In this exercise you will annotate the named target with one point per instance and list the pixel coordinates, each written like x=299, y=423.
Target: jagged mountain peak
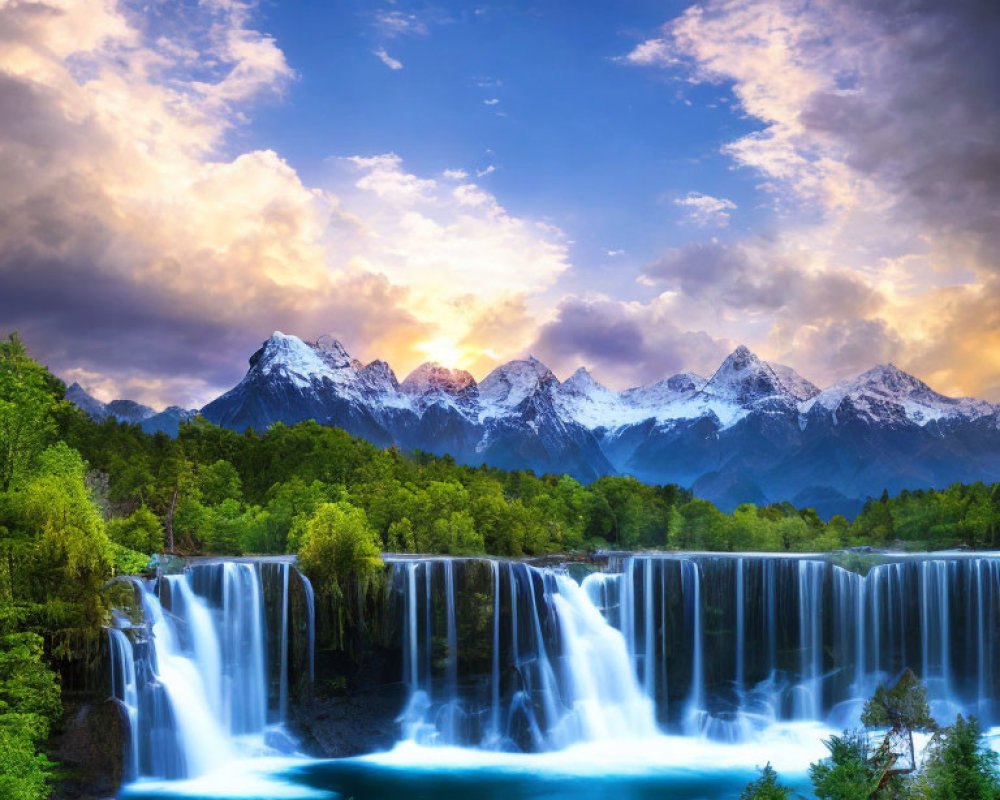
x=334, y=354
x=378, y=376
x=130, y=411
x=685, y=382
x=511, y=383
x=891, y=378
x=582, y=381
x=886, y=393
x=290, y=357
x=744, y=379
x=432, y=377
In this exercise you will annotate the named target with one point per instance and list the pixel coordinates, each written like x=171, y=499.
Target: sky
x=636, y=187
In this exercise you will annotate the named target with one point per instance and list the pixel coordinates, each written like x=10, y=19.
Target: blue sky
x=635, y=187
x=576, y=135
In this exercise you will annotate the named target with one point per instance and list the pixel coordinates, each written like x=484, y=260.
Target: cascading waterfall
x=193, y=678
x=558, y=673
x=799, y=637
x=504, y=655
x=125, y=690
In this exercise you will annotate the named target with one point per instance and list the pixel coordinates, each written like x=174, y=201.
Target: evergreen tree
x=960, y=766
x=766, y=787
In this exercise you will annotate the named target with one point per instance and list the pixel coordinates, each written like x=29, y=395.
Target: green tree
x=219, y=482
x=849, y=772
x=766, y=787
x=902, y=709
x=141, y=531
x=339, y=548
x=960, y=766
x=29, y=704
x=27, y=401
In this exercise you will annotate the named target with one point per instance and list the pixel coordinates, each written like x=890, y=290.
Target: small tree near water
x=766, y=787
x=902, y=709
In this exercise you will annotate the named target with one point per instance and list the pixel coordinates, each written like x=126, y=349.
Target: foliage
x=127, y=562
x=141, y=532
x=26, y=404
x=960, y=766
x=849, y=772
x=29, y=703
x=340, y=548
x=903, y=707
x=766, y=787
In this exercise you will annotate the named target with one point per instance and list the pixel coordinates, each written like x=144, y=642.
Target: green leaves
x=960, y=766
x=340, y=548
x=903, y=707
x=27, y=403
x=766, y=787
x=29, y=703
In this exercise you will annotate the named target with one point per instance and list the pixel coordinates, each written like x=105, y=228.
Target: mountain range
x=752, y=432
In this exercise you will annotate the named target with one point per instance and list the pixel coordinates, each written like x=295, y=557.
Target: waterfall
x=809, y=697
x=559, y=673
x=798, y=637
x=125, y=689
x=193, y=677
x=504, y=655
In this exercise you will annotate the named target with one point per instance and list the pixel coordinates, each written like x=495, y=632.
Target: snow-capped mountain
x=754, y=431
x=431, y=383
x=508, y=420
x=886, y=393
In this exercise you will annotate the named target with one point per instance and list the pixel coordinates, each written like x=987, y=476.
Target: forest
x=81, y=502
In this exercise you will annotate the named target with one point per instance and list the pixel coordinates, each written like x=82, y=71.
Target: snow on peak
x=510, y=384
x=582, y=382
x=744, y=379
x=886, y=392
x=685, y=382
x=432, y=378
x=333, y=353
x=379, y=377
x=289, y=357
x=800, y=388
x=583, y=400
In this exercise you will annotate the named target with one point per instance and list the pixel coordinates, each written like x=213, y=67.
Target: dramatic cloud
x=880, y=148
x=140, y=255
x=625, y=343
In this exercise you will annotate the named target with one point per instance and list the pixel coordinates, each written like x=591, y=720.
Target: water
x=193, y=679
x=667, y=675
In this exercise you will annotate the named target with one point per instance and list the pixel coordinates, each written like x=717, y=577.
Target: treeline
x=214, y=490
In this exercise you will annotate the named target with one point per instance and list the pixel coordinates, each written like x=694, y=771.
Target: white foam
x=789, y=747
x=246, y=779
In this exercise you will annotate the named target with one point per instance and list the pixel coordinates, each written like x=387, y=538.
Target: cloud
x=705, y=210
x=389, y=61
x=489, y=169
x=491, y=102
x=139, y=245
x=399, y=23
x=878, y=145
x=625, y=343
x=651, y=52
